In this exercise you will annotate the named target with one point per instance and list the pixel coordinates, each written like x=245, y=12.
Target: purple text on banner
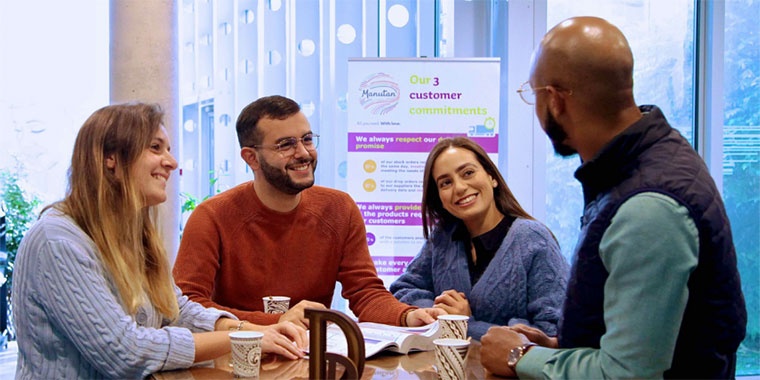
x=390, y=213
x=391, y=265
x=410, y=142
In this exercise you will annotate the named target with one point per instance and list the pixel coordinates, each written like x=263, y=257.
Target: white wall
x=53, y=75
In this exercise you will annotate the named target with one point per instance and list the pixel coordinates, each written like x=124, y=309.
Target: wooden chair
x=322, y=364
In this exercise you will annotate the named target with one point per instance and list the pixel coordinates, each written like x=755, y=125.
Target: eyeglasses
x=287, y=146
x=528, y=94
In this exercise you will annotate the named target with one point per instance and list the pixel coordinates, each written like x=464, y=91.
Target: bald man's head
x=589, y=56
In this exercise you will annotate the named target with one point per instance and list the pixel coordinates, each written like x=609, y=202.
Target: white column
x=145, y=67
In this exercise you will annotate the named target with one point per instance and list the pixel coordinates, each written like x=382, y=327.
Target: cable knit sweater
x=524, y=283
x=235, y=250
x=69, y=320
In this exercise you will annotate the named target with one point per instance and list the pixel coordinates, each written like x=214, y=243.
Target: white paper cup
x=246, y=353
x=276, y=304
x=450, y=357
x=453, y=326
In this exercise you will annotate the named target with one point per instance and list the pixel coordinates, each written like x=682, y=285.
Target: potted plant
x=190, y=202
x=20, y=211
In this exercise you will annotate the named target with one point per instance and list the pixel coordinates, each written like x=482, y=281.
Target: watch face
x=514, y=355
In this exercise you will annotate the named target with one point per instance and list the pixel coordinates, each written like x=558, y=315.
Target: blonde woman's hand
x=296, y=333
x=284, y=338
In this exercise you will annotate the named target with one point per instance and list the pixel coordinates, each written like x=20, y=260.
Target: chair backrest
x=322, y=364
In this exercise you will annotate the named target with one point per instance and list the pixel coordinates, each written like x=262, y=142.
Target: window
x=661, y=35
x=49, y=84
x=230, y=59
x=741, y=160
x=235, y=50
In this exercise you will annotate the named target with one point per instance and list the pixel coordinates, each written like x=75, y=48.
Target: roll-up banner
x=398, y=109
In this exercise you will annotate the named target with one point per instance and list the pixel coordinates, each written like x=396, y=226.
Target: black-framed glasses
x=287, y=146
x=528, y=93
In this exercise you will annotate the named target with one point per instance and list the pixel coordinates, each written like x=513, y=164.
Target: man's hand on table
x=495, y=347
x=421, y=317
x=296, y=313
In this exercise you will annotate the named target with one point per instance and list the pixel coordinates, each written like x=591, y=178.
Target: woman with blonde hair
x=93, y=295
x=484, y=256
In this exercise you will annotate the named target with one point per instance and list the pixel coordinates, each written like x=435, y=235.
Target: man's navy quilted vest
x=650, y=156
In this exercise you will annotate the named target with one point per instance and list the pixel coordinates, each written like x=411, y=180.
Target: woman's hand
x=284, y=338
x=453, y=302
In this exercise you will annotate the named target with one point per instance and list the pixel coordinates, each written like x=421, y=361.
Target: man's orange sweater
x=235, y=250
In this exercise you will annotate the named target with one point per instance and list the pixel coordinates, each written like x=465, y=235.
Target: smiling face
x=288, y=172
x=151, y=170
x=466, y=189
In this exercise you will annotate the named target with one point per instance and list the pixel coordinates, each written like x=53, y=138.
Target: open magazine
x=379, y=337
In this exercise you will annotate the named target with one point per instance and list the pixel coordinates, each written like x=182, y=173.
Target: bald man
x=654, y=289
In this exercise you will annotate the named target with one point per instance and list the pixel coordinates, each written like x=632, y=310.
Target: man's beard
x=281, y=180
x=557, y=135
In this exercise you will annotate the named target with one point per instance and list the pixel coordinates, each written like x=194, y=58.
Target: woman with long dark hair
x=484, y=256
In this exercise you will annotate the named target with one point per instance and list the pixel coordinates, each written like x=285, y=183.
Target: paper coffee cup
x=453, y=326
x=450, y=355
x=246, y=353
x=276, y=304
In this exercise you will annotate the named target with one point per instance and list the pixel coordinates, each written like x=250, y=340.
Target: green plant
x=191, y=201
x=21, y=211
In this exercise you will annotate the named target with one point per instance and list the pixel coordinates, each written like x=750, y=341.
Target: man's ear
x=556, y=102
x=249, y=156
x=111, y=162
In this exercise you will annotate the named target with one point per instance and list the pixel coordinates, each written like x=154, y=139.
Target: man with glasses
x=279, y=235
x=654, y=289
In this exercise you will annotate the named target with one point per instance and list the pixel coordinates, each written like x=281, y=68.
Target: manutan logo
x=379, y=94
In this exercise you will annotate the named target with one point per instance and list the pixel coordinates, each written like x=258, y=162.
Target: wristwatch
x=517, y=353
